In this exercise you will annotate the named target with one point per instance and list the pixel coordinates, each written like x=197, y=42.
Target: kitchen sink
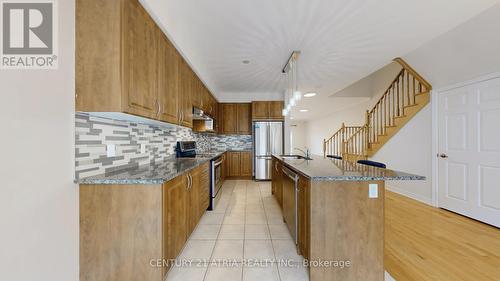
x=295, y=156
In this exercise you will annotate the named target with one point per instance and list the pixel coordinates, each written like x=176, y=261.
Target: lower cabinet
x=304, y=214
x=130, y=232
x=186, y=198
x=239, y=164
x=276, y=184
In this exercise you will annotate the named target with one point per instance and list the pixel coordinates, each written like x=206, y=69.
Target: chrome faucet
x=306, y=152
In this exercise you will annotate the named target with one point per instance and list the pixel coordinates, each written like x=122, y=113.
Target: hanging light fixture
x=292, y=93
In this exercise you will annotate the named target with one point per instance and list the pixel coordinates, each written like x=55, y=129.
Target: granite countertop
x=157, y=173
x=326, y=169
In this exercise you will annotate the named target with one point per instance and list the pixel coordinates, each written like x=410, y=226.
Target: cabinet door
x=229, y=118
x=98, y=44
x=260, y=110
x=243, y=118
x=206, y=106
x=204, y=189
x=140, y=62
x=278, y=193
x=168, y=72
x=304, y=239
x=234, y=164
x=274, y=176
x=175, y=216
x=197, y=97
x=276, y=110
x=194, y=199
x=246, y=164
x=224, y=166
x=185, y=83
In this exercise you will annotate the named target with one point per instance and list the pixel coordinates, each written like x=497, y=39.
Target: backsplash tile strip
x=93, y=134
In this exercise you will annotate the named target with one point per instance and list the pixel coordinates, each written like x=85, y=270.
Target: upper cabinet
x=267, y=110
x=124, y=63
x=140, y=95
x=168, y=80
x=235, y=118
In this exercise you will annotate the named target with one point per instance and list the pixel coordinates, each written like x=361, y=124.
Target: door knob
x=442, y=155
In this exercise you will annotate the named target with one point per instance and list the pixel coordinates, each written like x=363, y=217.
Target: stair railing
x=400, y=94
x=335, y=144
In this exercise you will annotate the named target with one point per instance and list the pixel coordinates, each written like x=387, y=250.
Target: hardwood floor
x=425, y=243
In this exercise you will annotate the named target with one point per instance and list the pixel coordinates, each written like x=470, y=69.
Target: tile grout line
x=216, y=240
x=270, y=237
x=244, y=230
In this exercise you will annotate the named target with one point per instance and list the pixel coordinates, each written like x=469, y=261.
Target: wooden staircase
x=407, y=94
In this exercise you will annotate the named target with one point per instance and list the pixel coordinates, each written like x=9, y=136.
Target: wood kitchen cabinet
x=168, y=80
x=175, y=210
x=233, y=159
x=185, y=94
x=276, y=184
x=139, y=71
x=244, y=119
x=246, y=164
x=229, y=118
x=304, y=217
x=267, y=110
x=145, y=222
x=239, y=164
x=126, y=64
x=236, y=118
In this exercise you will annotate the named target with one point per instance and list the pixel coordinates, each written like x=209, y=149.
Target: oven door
x=217, y=176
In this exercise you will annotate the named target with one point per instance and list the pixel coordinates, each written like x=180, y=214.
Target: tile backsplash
x=94, y=134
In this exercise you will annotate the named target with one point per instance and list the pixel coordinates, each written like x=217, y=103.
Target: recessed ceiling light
x=245, y=61
x=291, y=118
x=309, y=95
x=304, y=110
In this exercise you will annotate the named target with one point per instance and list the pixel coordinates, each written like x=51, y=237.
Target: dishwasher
x=290, y=201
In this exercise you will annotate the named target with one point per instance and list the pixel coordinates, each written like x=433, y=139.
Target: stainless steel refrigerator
x=268, y=140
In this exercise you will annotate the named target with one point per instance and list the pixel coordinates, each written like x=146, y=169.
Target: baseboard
x=409, y=194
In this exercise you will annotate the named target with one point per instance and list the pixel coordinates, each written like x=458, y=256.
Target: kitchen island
x=334, y=210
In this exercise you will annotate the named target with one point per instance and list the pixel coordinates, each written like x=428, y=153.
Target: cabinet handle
x=190, y=181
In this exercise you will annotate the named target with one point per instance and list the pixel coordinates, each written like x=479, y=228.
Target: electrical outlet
x=111, y=150
x=373, y=190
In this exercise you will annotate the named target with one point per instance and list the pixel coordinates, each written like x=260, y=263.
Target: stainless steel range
x=187, y=149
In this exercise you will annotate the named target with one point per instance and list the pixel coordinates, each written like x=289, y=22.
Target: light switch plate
x=373, y=190
x=110, y=150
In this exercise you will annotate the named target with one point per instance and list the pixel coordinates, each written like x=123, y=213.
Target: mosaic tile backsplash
x=93, y=134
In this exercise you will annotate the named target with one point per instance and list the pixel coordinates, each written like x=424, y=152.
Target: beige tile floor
x=241, y=240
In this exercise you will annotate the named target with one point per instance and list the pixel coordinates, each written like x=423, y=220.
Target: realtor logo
x=28, y=35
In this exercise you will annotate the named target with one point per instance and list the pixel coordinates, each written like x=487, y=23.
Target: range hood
x=198, y=114
x=202, y=122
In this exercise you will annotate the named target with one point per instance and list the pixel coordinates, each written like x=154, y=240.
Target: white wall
x=372, y=86
x=469, y=51
x=410, y=150
x=320, y=129
x=298, y=135
x=466, y=52
x=38, y=200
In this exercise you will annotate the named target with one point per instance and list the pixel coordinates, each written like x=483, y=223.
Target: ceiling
x=341, y=41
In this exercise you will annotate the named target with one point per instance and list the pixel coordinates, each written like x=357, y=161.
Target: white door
x=469, y=151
